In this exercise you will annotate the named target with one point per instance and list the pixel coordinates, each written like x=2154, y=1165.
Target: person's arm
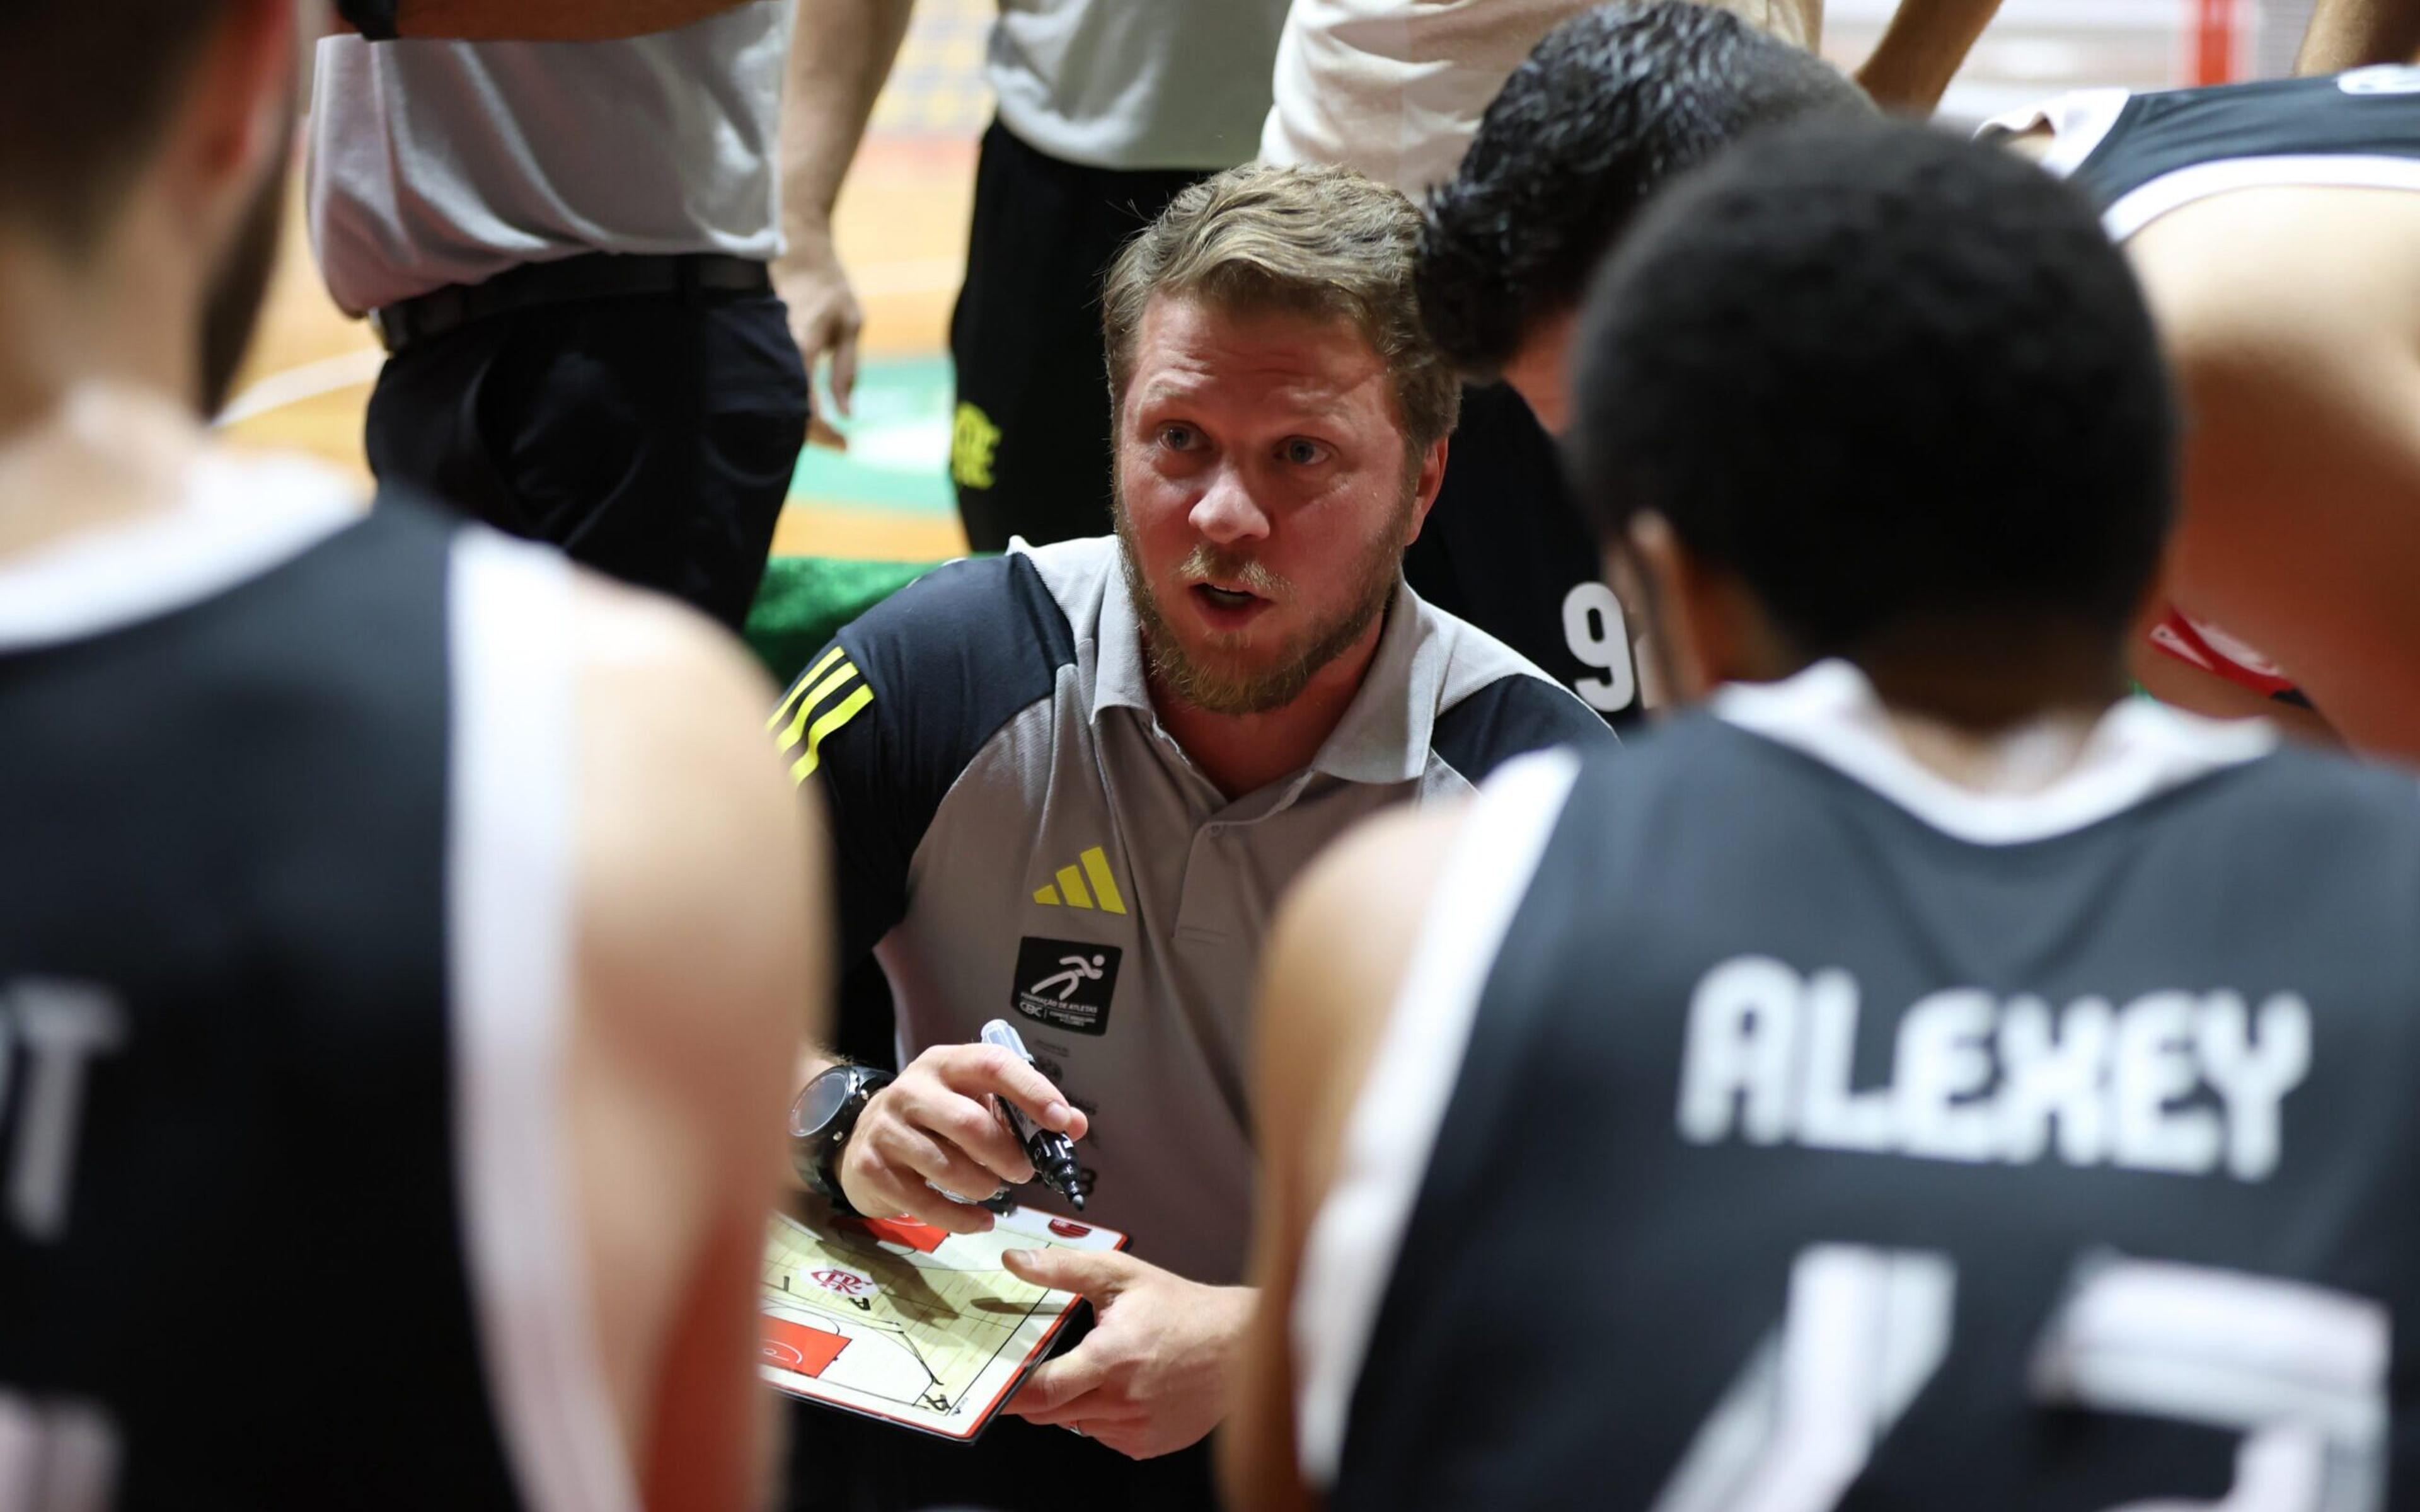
x=702, y=956
x=1921, y=50
x=528, y=21
x=1335, y=962
x=880, y=727
x=2351, y=34
x=2288, y=328
x=839, y=57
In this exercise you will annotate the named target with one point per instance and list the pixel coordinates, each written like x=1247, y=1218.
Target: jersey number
x=1600, y=638
x=2299, y=1370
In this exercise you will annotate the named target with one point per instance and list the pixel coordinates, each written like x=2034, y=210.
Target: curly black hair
x=1611, y=104
x=1890, y=379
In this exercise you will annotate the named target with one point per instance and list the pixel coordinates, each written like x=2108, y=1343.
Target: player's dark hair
x=1612, y=104
x=1888, y=379
x=86, y=86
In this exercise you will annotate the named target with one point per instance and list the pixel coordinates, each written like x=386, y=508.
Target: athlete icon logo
x=1074, y=982
x=1079, y=971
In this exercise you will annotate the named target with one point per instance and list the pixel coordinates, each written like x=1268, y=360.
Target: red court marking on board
x=905, y=1232
x=800, y=1350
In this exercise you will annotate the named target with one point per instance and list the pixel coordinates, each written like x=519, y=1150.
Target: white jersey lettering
x=2176, y=1081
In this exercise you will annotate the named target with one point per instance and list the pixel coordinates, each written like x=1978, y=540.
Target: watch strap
x=818, y=1166
x=375, y=20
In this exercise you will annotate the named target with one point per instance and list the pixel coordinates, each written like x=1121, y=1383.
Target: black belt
x=596, y=275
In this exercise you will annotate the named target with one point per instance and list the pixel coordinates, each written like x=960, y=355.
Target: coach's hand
x=1151, y=1378
x=936, y=1124
x=825, y=319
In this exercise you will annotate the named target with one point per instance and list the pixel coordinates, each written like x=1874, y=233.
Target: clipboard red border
x=991, y=1409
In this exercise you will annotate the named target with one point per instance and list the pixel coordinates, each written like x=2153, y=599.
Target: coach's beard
x=1219, y=691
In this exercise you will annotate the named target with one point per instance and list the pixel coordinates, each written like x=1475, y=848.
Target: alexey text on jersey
x=1982, y=1077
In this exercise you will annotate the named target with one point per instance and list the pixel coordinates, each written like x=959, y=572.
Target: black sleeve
x=888, y=716
x=1513, y=717
x=373, y=19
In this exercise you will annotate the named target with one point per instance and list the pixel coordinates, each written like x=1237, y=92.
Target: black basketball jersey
x=2158, y=152
x=232, y=1248
x=1505, y=548
x=2063, y=1164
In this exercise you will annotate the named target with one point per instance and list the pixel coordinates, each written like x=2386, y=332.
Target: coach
x=1067, y=786
x=565, y=246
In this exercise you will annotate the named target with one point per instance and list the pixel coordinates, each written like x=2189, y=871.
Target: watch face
x=812, y=1112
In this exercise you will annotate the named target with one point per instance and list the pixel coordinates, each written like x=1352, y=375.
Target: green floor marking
x=898, y=455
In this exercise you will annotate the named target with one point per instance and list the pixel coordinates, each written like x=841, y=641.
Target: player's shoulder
x=939, y=667
x=2314, y=790
x=1494, y=704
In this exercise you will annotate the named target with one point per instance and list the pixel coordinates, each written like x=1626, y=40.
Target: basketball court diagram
x=900, y=1320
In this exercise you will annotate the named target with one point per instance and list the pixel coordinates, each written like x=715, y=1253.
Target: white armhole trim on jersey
x=2138, y=750
x=2203, y=180
x=509, y=882
x=2079, y=121
x=1354, y=1239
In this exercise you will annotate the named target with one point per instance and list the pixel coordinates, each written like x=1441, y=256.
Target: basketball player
x=2273, y=225
x=1894, y=1085
x=1607, y=108
x=1397, y=88
x=400, y=933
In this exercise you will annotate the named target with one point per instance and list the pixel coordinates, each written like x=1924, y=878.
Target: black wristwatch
x=820, y=1122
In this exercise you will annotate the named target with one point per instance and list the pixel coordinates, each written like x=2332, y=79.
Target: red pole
x=2214, y=39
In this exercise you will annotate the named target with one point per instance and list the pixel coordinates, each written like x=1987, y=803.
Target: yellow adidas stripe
x=1071, y=886
x=842, y=713
x=838, y=680
x=1105, y=887
x=798, y=688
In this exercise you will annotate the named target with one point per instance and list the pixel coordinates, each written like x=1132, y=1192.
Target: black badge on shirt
x=1065, y=983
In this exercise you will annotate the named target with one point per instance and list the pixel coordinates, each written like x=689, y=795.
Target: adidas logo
x=1094, y=865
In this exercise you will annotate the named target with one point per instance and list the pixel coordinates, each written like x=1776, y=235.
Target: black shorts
x=1030, y=448
x=1506, y=550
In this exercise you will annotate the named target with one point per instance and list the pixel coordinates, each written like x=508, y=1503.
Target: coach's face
x=1263, y=499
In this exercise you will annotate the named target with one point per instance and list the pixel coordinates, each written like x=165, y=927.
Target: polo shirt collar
x=1384, y=735
x=1119, y=680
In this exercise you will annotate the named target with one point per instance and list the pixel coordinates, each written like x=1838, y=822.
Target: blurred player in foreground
x=403, y=931
x=2274, y=225
x=1892, y=1085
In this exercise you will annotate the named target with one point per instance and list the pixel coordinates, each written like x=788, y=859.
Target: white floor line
x=346, y=370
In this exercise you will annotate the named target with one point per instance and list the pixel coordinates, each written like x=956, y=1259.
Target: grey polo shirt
x=1016, y=837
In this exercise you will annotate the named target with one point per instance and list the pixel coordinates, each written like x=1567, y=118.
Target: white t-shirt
x=449, y=163
x=1136, y=83
x=1396, y=87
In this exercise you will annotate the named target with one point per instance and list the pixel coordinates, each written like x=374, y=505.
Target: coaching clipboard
x=898, y=1320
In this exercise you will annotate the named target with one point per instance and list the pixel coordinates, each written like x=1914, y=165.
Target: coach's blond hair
x=1321, y=241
